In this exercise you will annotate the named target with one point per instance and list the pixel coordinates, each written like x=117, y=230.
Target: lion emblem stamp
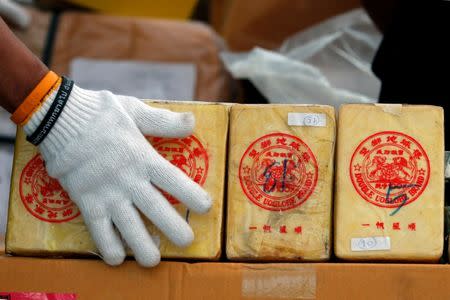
x=389, y=169
x=278, y=172
x=43, y=196
x=188, y=154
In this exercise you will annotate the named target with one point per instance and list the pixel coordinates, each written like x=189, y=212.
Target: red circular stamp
x=188, y=154
x=42, y=195
x=389, y=169
x=278, y=172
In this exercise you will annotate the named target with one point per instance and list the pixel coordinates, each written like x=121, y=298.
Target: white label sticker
x=293, y=282
x=141, y=79
x=375, y=243
x=307, y=119
x=6, y=159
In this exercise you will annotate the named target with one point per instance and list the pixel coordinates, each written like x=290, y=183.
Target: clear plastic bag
x=329, y=63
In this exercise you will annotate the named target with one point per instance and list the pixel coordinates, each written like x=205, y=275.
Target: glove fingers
x=160, y=122
x=175, y=182
x=162, y=214
x=107, y=240
x=133, y=230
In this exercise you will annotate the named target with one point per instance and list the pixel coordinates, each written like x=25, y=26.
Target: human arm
x=20, y=69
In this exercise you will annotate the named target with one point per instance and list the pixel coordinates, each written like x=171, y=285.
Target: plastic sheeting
x=327, y=64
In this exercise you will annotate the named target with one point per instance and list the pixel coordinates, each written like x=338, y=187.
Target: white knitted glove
x=98, y=152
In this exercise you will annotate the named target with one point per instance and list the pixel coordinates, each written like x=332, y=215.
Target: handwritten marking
x=405, y=197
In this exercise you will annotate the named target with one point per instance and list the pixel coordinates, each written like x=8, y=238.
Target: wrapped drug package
x=389, y=192
x=44, y=221
x=280, y=173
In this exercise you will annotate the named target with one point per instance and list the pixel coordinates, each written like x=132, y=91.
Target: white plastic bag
x=327, y=64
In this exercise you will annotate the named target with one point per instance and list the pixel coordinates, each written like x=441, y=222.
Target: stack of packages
x=388, y=194
x=389, y=182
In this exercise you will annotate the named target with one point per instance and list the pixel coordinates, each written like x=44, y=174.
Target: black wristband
x=53, y=113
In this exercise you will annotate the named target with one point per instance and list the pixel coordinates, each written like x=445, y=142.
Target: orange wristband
x=34, y=98
x=54, y=88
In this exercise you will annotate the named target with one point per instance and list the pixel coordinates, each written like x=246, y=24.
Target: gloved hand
x=98, y=152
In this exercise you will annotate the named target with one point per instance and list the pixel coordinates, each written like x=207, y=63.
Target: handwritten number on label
x=405, y=197
x=269, y=177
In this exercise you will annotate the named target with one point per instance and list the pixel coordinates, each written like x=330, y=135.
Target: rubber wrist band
x=52, y=90
x=34, y=98
x=53, y=113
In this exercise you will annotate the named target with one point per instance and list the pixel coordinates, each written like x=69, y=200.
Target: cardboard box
x=267, y=23
x=44, y=221
x=35, y=35
x=280, y=178
x=155, y=41
x=389, y=192
x=92, y=279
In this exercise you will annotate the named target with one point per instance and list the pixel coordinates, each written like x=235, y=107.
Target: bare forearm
x=20, y=70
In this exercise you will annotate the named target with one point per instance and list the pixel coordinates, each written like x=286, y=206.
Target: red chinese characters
x=394, y=225
x=43, y=196
x=282, y=229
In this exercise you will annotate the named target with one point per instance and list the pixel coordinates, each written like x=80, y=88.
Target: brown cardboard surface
x=34, y=36
x=91, y=279
x=156, y=40
x=266, y=23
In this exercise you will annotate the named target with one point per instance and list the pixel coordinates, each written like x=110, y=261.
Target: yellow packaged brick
x=280, y=174
x=44, y=221
x=389, y=192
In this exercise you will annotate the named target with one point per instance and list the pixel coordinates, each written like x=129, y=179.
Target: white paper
x=6, y=158
x=141, y=79
x=7, y=127
x=307, y=119
x=375, y=243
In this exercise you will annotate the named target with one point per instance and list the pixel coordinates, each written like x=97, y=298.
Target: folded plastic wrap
x=329, y=63
x=389, y=189
x=280, y=172
x=44, y=221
